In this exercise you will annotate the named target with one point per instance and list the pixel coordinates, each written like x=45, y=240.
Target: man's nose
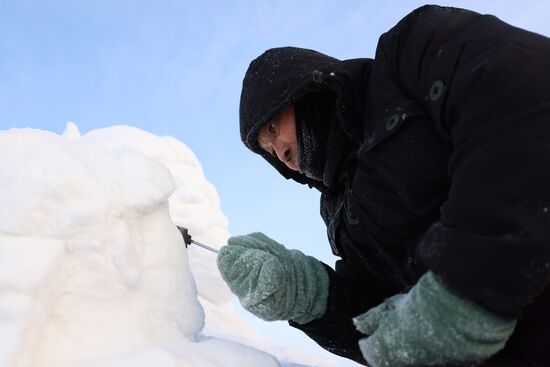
x=283, y=152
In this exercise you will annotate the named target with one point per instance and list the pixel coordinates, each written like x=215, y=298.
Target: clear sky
x=175, y=68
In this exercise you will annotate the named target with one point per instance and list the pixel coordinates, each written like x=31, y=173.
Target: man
x=433, y=160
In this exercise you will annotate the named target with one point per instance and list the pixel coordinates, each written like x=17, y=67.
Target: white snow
x=93, y=271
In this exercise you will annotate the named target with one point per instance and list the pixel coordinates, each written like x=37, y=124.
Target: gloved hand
x=272, y=282
x=430, y=325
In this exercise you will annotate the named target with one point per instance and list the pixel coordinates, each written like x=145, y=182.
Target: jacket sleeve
x=485, y=84
x=348, y=298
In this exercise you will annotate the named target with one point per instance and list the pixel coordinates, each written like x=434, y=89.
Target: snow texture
x=93, y=271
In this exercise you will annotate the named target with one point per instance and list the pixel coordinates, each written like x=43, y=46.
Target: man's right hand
x=272, y=282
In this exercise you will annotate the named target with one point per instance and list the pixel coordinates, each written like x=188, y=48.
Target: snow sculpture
x=93, y=271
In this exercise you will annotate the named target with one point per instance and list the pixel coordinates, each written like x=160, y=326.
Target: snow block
x=93, y=271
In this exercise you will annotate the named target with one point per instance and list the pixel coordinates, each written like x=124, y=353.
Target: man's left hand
x=430, y=325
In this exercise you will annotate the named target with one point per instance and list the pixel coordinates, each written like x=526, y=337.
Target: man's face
x=278, y=138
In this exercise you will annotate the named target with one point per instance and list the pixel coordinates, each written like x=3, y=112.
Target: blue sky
x=175, y=68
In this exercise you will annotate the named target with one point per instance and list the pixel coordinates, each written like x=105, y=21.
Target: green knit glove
x=430, y=325
x=272, y=282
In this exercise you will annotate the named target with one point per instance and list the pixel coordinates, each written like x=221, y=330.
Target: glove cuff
x=315, y=286
x=472, y=320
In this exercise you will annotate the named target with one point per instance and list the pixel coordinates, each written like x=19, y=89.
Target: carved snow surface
x=93, y=271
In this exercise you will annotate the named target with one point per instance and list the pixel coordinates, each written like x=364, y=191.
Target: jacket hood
x=279, y=77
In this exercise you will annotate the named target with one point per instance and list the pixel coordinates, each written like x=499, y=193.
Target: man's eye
x=272, y=127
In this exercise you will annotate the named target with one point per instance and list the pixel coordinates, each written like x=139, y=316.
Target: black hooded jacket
x=451, y=172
